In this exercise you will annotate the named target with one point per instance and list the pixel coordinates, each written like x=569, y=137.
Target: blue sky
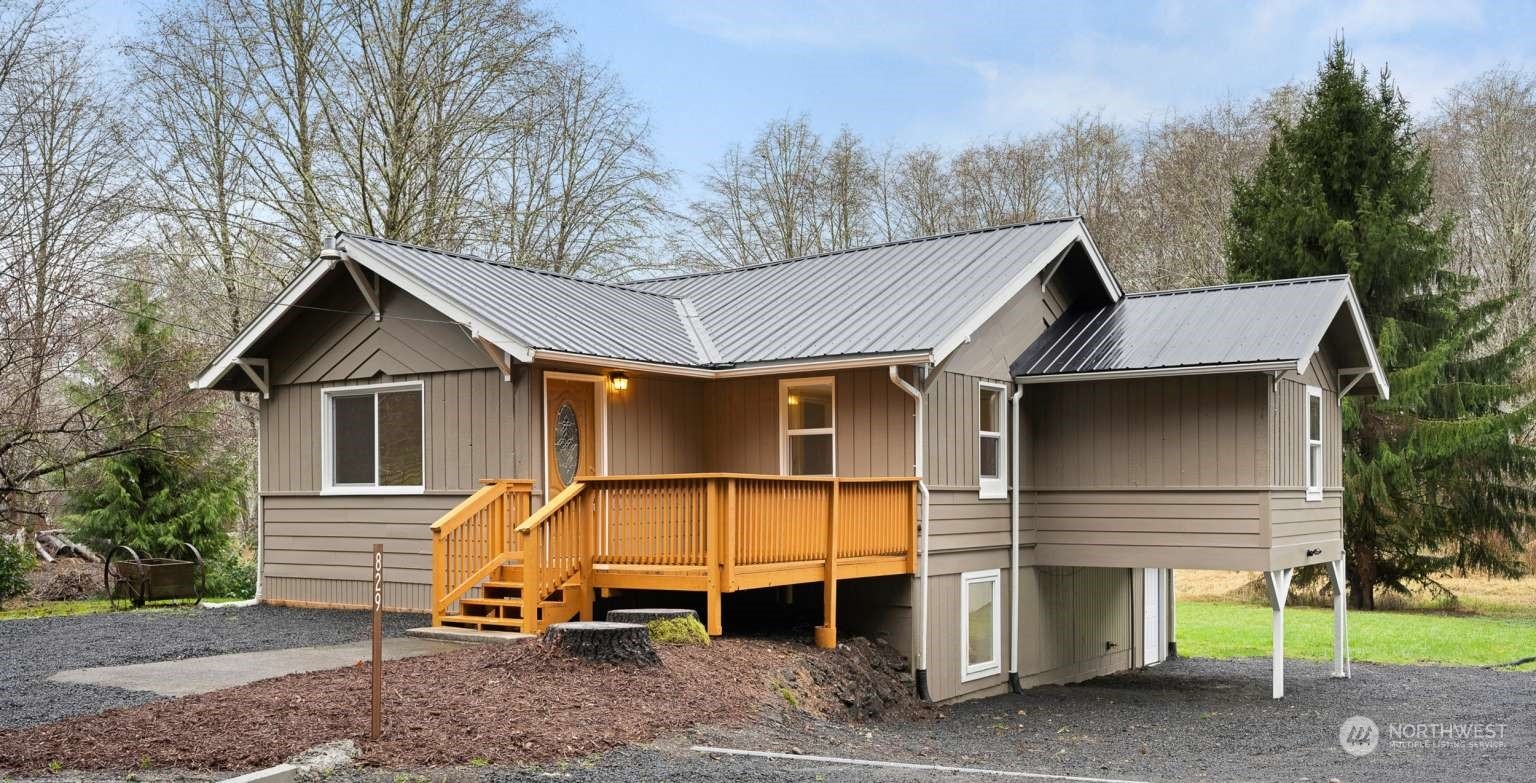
x=944, y=73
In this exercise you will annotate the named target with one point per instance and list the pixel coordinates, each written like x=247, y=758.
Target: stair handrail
x=528, y=542
x=493, y=490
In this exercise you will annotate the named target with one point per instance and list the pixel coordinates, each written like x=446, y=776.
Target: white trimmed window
x=371, y=439
x=981, y=627
x=808, y=426
x=1314, y=453
x=991, y=457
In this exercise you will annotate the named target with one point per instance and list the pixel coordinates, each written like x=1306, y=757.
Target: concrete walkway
x=217, y=672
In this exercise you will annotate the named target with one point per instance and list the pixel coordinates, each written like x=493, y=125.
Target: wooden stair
x=500, y=605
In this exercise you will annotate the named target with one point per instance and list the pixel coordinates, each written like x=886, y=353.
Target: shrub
x=231, y=575
x=678, y=630
x=15, y=562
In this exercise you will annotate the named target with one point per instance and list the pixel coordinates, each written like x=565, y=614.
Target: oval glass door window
x=567, y=443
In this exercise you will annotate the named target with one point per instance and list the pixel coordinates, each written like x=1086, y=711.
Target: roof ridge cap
x=875, y=246
x=503, y=264
x=1227, y=286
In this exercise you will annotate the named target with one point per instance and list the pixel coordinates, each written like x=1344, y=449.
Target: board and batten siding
x=1289, y=423
x=874, y=422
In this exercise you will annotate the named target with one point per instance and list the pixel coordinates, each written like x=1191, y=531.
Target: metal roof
x=901, y=296
x=543, y=310
x=1277, y=322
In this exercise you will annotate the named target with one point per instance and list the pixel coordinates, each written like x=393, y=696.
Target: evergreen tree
x=172, y=489
x=1438, y=477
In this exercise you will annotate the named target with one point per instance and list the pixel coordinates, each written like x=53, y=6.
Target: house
x=976, y=444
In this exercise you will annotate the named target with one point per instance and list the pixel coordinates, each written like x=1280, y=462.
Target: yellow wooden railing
x=469, y=543
x=707, y=532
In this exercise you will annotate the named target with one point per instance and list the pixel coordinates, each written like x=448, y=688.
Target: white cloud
x=816, y=23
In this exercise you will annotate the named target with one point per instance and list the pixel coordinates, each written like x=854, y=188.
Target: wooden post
x=588, y=547
x=826, y=633
x=378, y=642
x=728, y=570
x=439, y=575
x=531, y=581
x=712, y=534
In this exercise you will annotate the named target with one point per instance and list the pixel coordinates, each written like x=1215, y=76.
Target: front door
x=571, y=431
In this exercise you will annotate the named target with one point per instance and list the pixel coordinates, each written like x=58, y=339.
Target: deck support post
x=826, y=633
x=1278, y=584
x=714, y=520
x=1340, y=618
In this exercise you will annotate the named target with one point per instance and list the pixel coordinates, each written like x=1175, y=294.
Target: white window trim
x=1314, y=490
x=327, y=423
x=968, y=670
x=785, y=432
x=993, y=488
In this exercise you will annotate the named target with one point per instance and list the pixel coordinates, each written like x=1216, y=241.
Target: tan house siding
x=1132, y=528
x=1289, y=426
x=317, y=548
x=874, y=424
x=460, y=448
x=1195, y=431
x=658, y=425
x=1299, y=526
x=1075, y=623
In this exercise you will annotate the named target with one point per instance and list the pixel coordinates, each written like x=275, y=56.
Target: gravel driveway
x=1186, y=720
x=35, y=649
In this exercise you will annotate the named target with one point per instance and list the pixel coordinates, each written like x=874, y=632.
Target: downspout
x=922, y=541
x=1013, y=553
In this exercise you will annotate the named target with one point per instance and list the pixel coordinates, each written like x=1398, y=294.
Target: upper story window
x=808, y=426
x=1314, y=455
x=372, y=439
x=989, y=434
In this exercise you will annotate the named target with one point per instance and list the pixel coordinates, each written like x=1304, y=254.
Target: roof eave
x=1279, y=365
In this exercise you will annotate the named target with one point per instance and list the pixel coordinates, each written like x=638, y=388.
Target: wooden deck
x=495, y=565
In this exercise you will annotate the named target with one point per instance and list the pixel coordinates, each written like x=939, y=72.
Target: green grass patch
x=73, y=608
x=1212, y=629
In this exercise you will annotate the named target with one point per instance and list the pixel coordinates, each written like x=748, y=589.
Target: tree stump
x=643, y=616
x=604, y=642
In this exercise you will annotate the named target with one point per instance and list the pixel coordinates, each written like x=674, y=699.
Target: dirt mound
x=524, y=702
x=65, y=579
x=860, y=680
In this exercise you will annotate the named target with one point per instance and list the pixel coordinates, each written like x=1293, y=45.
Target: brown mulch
x=523, y=702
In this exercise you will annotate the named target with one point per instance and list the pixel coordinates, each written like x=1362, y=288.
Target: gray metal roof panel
x=1234, y=324
x=545, y=310
x=900, y=296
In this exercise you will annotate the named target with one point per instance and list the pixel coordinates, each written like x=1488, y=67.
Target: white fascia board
x=1159, y=372
x=255, y=329
x=1077, y=234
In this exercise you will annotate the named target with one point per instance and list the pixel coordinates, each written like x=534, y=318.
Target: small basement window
x=1314, y=454
x=989, y=438
x=808, y=421
x=372, y=439
x=981, y=628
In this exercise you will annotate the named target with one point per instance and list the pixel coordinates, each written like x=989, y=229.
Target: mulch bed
x=517, y=703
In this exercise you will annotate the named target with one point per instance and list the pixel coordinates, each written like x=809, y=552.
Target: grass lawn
x=71, y=608
x=1224, y=629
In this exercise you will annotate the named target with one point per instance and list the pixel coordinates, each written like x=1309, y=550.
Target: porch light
x=619, y=381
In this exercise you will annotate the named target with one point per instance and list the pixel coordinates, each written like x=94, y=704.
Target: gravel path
x=34, y=649
x=1187, y=720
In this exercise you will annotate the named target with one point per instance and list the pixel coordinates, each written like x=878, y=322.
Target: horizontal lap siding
x=1152, y=528
x=318, y=548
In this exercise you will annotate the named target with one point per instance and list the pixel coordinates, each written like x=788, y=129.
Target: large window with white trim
x=808, y=426
x=1314, y=453
x=991, y=455
x=981, y=627
x=372, y=439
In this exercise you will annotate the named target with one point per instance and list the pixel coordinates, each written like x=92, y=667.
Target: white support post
x=1340, y=618
x=1279, y=585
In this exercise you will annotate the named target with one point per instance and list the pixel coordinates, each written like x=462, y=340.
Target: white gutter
x=922, y=527
x=1013, y=559
x=1164, y=372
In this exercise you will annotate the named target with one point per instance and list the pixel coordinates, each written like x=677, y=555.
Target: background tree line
x=197, y=167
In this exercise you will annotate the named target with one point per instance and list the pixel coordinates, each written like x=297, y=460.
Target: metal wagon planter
x=135, y=581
